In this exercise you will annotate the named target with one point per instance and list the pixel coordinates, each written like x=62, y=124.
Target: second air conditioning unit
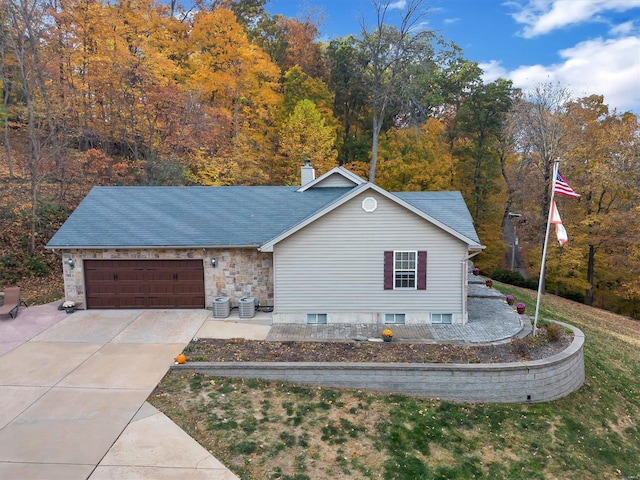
x=247, y=307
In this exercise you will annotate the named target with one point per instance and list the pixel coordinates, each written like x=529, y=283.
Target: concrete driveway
x=73, y=397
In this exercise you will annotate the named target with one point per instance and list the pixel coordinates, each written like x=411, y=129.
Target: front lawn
x=275, y=430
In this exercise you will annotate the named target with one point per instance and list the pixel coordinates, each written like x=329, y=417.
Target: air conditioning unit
x=247, y=307
x=221, y=307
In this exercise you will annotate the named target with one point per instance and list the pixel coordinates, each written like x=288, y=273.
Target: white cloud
x=493, y=70
x=602, y=67
x=449, y=21
x=399, y=4
x=543, y=16
x=625, y=28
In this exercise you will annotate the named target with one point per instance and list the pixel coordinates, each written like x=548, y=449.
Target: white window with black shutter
x=405, y=269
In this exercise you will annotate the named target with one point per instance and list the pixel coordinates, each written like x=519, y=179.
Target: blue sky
x=589, y=46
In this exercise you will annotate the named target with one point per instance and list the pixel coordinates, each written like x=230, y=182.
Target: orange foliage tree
x=240, y=83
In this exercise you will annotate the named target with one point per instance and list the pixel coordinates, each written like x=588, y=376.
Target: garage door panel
x=132, y=288
x=127, y=301
x=158, y=289
x=103, y=290
x=116, y=284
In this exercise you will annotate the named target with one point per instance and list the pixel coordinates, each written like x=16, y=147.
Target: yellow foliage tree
x=240, y=82
x=305, y=136
x=415, y=159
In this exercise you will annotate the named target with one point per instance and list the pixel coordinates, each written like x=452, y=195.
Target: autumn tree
x=389, y=52
x=22, y=39
x=239, y=81
x=480, y=119
x=605, y=161
x=302, y=48
x=540, y=131
x=111, y=58
x=248, y=12
x=287, y=41
x=453, y=84
x=415, y=158
x=306, y=136
x=347, y=81
x=297, y=86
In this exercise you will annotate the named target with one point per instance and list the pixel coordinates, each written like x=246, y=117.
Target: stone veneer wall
x=239, y=272
x=535, y=381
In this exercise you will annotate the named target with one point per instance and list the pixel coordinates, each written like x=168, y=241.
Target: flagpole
x=556, y=163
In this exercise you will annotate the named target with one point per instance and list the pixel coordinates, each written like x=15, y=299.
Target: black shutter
x=388, y=270
x=422, y=270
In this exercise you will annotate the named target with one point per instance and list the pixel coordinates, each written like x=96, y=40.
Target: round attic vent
x=369, y=204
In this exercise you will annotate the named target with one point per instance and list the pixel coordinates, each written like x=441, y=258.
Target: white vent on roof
x=369, y=204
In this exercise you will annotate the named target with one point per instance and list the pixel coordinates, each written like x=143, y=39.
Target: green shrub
x=11, y=268
x=37, y=266
x=575, y=296
x=514, y=278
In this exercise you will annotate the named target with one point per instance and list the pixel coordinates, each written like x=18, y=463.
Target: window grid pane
x=319, y=318
x=445, y=318
x=405, y=279
x=395, y=318
x=405, y=260
x=405, y=269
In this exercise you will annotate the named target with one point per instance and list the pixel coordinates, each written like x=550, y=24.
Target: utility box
x=247, y=307
x=221, y=307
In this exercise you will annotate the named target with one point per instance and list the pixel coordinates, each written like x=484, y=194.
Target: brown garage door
x=144, y=283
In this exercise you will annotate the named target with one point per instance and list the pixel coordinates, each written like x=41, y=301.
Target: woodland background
x=138, y=92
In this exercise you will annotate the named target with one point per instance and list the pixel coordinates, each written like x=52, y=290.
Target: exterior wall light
x=213, y=262
x=71, y=264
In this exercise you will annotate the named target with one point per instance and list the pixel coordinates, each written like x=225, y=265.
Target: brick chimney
x=307, y=173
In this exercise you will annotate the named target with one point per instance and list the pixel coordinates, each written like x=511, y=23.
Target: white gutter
x=143, y=247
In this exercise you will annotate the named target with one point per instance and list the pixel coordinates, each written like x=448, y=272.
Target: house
x=338, y=249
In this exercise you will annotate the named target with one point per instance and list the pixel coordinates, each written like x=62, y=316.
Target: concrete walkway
x=491, y=321
x=73, y=397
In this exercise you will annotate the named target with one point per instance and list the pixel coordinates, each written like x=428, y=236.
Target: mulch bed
x=241, y=350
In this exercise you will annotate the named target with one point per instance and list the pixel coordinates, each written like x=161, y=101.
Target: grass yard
x=275, y=430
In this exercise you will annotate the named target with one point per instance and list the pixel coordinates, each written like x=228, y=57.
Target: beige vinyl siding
x=335, y=180
x=336, y=263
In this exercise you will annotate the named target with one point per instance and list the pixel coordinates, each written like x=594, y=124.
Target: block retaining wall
x=534, y=381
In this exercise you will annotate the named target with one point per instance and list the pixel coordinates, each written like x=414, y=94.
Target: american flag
x=561, y=187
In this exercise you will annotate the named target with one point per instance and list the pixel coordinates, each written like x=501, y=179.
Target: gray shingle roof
x=187, y=216
x=218, y=216
x=446, y=207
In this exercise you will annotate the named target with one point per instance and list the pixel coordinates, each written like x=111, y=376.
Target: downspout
x=465, y=283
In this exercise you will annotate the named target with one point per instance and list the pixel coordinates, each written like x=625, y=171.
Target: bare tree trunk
x=4, y=77
x=7, y=138
x=388, y=50
x=588, y=296
x=34, y=38
x=540, y=127
x=377, y=126
x=20, y=18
